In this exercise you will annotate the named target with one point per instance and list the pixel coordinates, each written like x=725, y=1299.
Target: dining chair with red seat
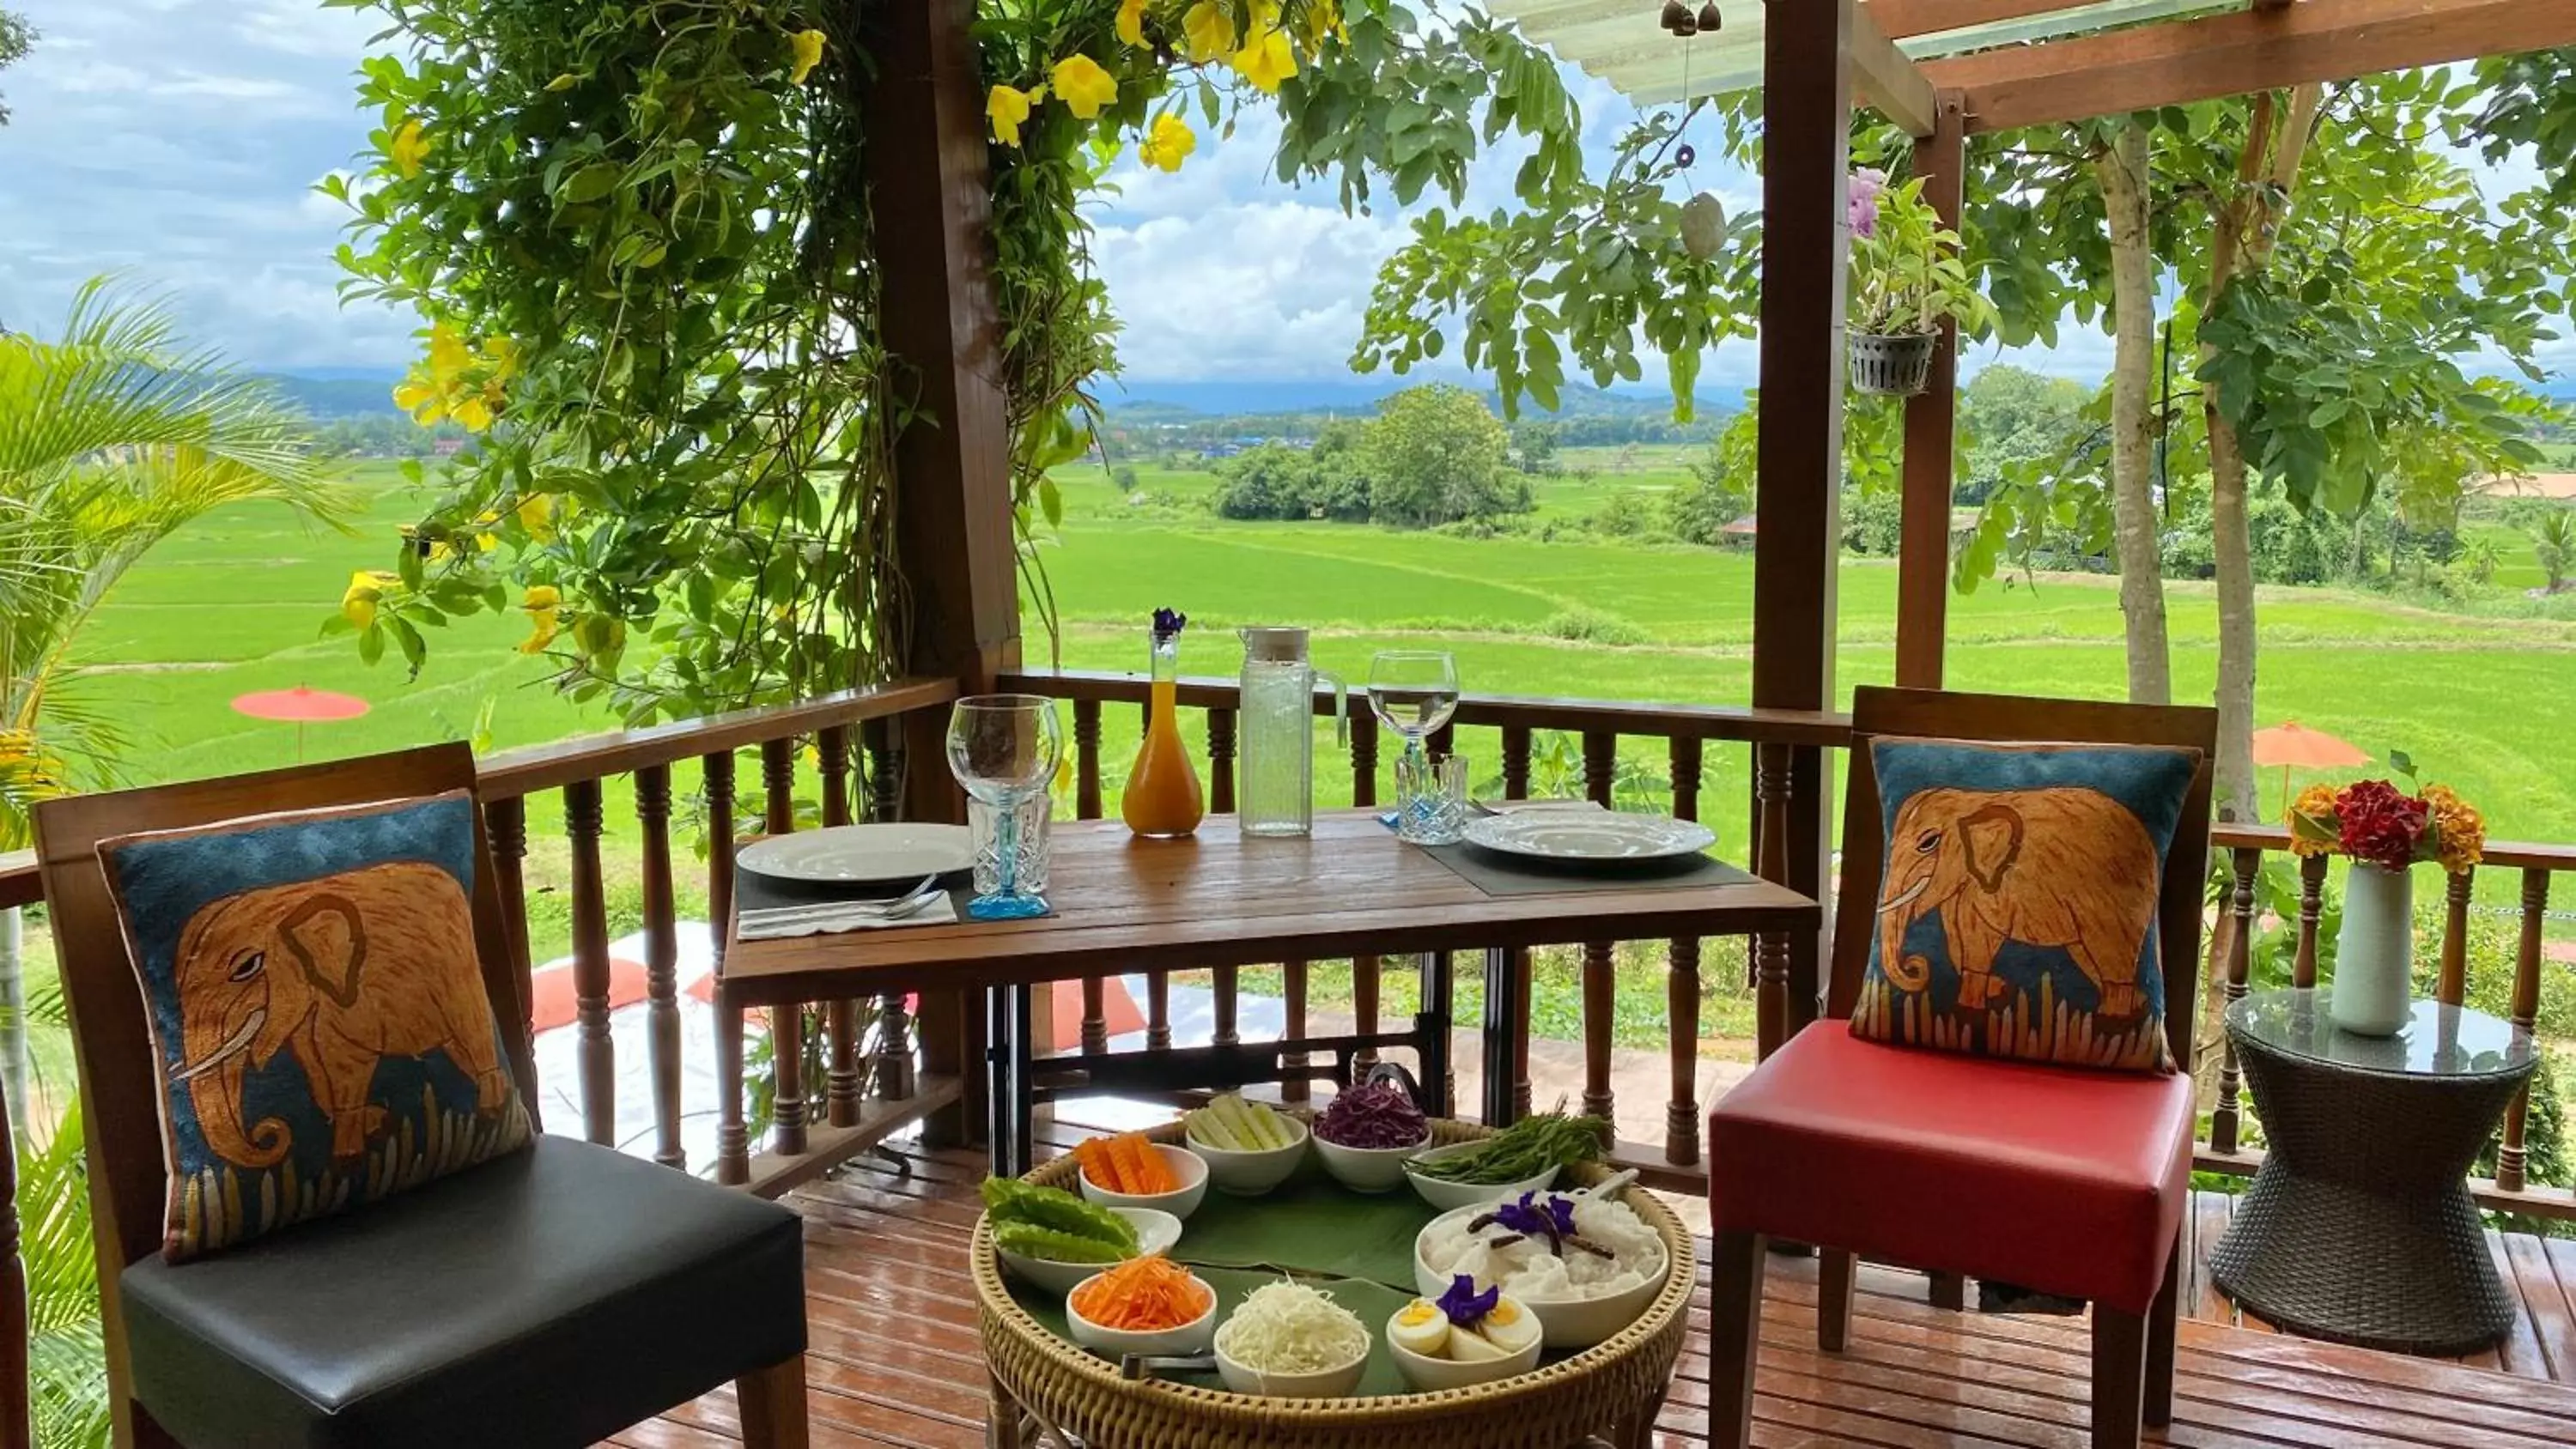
x=2068, y=1180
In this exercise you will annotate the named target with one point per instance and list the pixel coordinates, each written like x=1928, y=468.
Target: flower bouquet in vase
x=1907, y=277
x=2387, y=832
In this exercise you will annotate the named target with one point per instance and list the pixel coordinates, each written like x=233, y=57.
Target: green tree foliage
x=2553, y=544
x=2530, y=100
x=112, y=437
x=1434, y=454
x=1699, y=508
x=2010, y=416
x=1534, y=447
x=16, y=36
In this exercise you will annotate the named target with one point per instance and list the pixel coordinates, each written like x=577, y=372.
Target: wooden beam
x=1923, y=555
x=1893, y=83
x=1902, y=18
x=2231, y=54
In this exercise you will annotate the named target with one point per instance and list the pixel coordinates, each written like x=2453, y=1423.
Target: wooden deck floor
x=894, y=1358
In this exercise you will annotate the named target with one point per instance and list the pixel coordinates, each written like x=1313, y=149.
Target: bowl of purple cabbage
x=1367, y=1132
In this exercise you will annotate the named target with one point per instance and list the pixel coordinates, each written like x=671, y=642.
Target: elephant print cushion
x=2016, y=909
x=318, y=1012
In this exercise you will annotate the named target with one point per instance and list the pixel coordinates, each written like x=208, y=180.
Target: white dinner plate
x=860, y=854
x=1589, y=835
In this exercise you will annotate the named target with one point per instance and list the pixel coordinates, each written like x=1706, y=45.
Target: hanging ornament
x=1709, y=18
x=1703, y=225
x=1685, y=155
x=1677, y=18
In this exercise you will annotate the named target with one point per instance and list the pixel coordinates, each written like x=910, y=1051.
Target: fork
x=909, y=903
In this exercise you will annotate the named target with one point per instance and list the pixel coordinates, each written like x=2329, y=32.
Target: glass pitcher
x=1277, y=733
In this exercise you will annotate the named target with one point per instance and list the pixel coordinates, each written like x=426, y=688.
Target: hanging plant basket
x=1891, y=366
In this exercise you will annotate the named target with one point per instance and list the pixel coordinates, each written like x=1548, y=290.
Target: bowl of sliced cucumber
x=1249, y=1147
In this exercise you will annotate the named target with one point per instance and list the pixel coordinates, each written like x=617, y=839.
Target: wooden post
x=17, y=1429
x=1807, y=92
x=1923, y=558
x=927, y=181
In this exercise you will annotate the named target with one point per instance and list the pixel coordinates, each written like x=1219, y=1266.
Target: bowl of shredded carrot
x=1129, y=1171
x=1144, y=1305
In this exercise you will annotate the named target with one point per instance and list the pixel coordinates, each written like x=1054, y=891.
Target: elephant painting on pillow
x=342, y=971
x=2060, y=866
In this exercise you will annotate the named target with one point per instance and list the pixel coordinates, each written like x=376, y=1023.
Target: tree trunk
x=2122, y=173
x=2246, y=227
x=13, y=1022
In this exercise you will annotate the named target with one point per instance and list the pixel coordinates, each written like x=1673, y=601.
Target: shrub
x=1587, y=625
x=1702, y=505
x=1873, y=521
x=1125, y=477
x=1624, y=514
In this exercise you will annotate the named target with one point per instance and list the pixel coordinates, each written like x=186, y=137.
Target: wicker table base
x=2359, y=1228
x=1046, y=1391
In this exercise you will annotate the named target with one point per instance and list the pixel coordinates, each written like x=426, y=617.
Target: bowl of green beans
x=1524, y=1157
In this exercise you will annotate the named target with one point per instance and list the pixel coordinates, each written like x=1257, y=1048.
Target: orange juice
x=1163, y=796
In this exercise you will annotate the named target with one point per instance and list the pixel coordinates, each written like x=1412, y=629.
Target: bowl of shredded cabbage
x=1286, y=1340
x=1587, y=1267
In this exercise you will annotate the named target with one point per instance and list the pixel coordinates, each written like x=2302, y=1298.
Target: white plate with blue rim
x=1597, y=837
x=899, y=852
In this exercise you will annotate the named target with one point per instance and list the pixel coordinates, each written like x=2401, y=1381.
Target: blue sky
x=177, y=141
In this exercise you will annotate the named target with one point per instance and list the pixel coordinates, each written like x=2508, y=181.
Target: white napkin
x=941, y=912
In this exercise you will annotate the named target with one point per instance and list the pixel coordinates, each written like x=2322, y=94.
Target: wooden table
x=1217, y=899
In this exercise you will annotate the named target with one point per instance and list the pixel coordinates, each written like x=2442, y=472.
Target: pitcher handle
x=1341, y=707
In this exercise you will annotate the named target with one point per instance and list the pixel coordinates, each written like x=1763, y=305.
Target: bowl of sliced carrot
x=1129, y=1171
x=1144, y=1305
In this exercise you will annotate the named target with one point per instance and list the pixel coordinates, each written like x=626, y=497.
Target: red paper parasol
x=2292, y=745
x=300, y=706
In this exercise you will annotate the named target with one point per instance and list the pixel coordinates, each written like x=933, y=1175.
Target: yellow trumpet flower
x=1168, y=143
x=1208, y=29
x=1085, y=88
x=543, y=603
x=1266, y=58
x=1008, y=109
x=1131, y=22
x=809, y=54
x=408, y=148
x=358, y=603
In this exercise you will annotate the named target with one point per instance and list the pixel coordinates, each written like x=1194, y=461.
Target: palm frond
x=67, y=1352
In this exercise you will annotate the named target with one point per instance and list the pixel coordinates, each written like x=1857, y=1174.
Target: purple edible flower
x=1464, y=1305
x=1168, y=622
x=1861, y=211
x=1533, y=1218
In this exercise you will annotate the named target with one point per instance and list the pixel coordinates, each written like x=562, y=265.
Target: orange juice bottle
x=1163, y=796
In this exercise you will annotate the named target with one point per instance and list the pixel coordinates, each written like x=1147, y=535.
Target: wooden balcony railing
x=1786, y=983
x=2532, y=866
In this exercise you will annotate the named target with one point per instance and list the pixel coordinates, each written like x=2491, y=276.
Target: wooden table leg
x=1502, y=1010
x=1433, y=1023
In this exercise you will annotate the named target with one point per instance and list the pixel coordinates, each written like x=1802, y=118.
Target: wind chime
x=1703, y=216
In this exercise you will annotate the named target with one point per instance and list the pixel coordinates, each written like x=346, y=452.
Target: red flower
x=2380, y=825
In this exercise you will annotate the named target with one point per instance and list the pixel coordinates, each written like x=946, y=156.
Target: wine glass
x=1003, y=749
x=1413, y=692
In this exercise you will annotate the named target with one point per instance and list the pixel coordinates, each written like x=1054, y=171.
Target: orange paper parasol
x=300, y=706
x=2292, y=745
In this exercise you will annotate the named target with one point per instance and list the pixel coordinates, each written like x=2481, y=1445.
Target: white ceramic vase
x=2375, y=951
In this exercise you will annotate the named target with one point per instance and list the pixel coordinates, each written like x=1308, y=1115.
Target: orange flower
x=2459, y=831
x=2312, y=821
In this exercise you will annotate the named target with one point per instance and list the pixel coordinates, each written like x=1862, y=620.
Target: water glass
x=1029, y=863
x=1003, y=749
x=1431, y=799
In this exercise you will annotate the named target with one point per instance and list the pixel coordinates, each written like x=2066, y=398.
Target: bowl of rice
x=1585, y=1284
x=1286, y=1340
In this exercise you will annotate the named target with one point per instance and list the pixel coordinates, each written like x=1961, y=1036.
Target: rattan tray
x=1609, y=1392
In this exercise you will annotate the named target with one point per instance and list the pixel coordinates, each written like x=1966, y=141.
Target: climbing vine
x=640, y=241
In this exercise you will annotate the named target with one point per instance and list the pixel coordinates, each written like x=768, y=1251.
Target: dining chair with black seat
x=2001, y=1086
x=325, y=1214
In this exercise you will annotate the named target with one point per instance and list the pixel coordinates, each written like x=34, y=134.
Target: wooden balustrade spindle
x=885, y=769
x=661, y=961
x=1220, y=726
x=1364, y=1005
x=1363, y=759
x=2513, y=1159
x=1292, y=977
x=832, y=747
x=17, y=1426
x=2452, y=986
x=1086, y=759
x=1226, y=987
x=2245, y=867
x=506, y=822
x=1443, y=742
x=1095, y=1014
x=1600, y=960
x=890, y=1065
x=1682, y=987
x=733, y=1141
x=842, y=1078
x=1158, y=1010
x=1516, y=762
x=596, y=1053
x=2312, y=908
x=789, y=1113
x=1771, y=949
x=778, y=785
